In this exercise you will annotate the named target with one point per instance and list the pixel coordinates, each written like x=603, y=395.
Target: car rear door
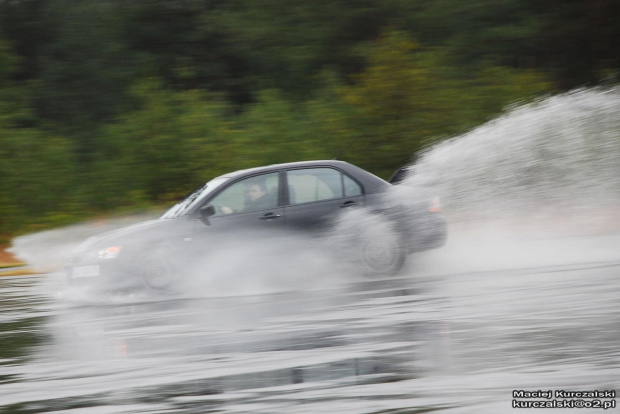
x=315, y=196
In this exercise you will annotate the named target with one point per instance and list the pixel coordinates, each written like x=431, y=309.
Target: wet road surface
x=449, y=335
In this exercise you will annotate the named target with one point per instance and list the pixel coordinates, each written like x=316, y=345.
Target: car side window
x=351, y=188
x=318, y=184
x=251, y=194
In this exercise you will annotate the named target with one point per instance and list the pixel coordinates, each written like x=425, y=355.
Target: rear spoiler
x=400, y=175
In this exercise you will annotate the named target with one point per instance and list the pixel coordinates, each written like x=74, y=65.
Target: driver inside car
x=256, y=197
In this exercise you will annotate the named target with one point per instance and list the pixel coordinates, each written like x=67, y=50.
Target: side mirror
x=205, y=212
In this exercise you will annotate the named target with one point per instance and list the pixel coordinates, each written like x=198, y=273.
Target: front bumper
x=106, y=274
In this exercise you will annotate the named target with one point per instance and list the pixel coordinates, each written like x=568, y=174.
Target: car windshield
x=193, y=198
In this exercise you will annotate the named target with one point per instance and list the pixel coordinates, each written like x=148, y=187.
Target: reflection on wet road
x=452, y=341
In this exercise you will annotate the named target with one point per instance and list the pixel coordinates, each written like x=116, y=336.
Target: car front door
x=248, y=204
x=315, y=196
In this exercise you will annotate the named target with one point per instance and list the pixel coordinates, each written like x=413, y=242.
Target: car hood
x=140, y=233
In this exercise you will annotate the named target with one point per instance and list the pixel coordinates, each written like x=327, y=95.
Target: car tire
x=157, y=270
x=384, y=255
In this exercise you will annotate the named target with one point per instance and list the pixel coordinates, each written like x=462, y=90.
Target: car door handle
x=270, y=216
x=347, y=204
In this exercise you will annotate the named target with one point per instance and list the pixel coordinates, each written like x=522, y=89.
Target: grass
x=21, y=271
x=14, y=266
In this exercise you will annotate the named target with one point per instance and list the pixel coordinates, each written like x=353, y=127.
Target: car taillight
x=435, y=206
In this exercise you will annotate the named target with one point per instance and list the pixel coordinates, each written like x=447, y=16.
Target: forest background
x=109, y=106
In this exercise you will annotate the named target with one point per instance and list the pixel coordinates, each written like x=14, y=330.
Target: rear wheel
x=383, y=255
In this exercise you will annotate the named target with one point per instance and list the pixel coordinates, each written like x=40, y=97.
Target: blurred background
x=511, y=109
x=112, y=106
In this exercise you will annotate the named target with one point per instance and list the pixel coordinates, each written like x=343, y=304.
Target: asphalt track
x=458, y=331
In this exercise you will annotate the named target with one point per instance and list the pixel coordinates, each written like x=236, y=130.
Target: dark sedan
x=308, y=197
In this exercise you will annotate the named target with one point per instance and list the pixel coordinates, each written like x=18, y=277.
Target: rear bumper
x=428, y=232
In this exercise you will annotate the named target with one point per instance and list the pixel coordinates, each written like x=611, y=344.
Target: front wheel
x=156, y=268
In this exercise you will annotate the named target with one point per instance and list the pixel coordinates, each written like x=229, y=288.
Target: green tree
x=186, y=44
x=578, y=41
x=276, y=130
x=399, y=100
x=85, y=70
x=408, y=97
x=160, y=151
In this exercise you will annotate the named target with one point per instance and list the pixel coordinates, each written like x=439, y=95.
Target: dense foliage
x=107, y=105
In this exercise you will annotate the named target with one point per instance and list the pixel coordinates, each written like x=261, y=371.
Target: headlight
x=109, y=252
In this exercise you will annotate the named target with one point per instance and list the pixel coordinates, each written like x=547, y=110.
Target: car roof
x=371, y=182
x=298, y=164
